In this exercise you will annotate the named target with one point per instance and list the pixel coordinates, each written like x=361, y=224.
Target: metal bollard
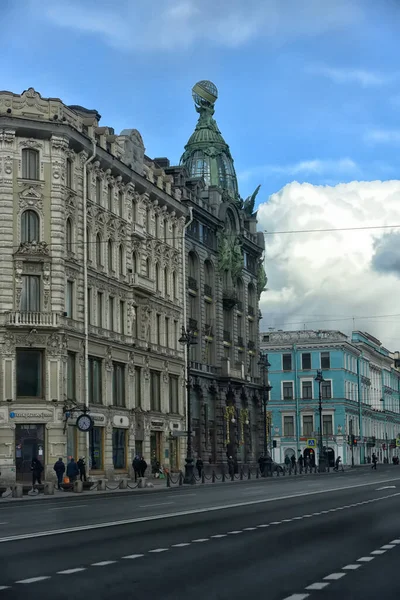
x=213, y=476
x=223, y=476
x=203, y=477
x=180, y=478
x=249, y=474
x=102, y=485
x=123, y=484
x=78, y=487
x=49, y=488
x=241, y=474
x=168, y=480
x=17, y=491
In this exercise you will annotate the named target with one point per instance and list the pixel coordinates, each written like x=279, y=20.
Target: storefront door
x=29, y=444
x=155, y=446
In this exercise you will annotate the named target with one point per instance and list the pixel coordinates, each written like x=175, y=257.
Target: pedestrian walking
x=301, y=462
x=199, y=466
x=293, y=461
x=337, y=463
x=36, y=468
x=261, y=464
x=59, y=468
x=136, y=466
x=72, y=471
x=287, y=462
x=374, y=461
x=82, y=468
x=142, y=467
x=231, y=467
x=308, y=463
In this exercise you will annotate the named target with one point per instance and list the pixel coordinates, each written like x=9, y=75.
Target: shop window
x=96, y=450
x=29, y=373
x=118, y=384
x=119, y=448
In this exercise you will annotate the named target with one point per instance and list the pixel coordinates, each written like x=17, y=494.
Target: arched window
x=30, y=163
x=98, y=250
x=120, y=204
x=68, y=228
x=174, y=235
x=68, y=173
x=174, y=285
x=121, y=259
x=208, y=279
x=30, y=226
x=166, y=287
x=110, y=257
x=193, y=272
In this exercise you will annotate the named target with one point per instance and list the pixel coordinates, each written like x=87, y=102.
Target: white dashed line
x=200, y=540
x=297, y=597
x=4, y=587
x=262, y=526
x=249, y=528
x=378, y=552
x=71, y=571
x=132, y=556
x=33, y=579
x=274, y=523
x=307, y=516
x=181, y=545
x=233, y=532
x=365, y=559
x=220, y=535
x=317, y=586
x=157, y=550
x=334, y=576
x=298, y=518
x=395, y=542
x=286, y=520
x=351, y=567
x=388, y=546
x=104, y=563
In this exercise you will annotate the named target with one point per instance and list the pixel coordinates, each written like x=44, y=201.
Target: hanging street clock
x=84, y=422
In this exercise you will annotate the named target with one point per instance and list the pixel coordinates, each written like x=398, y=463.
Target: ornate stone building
x=225, y=278
x=91, y=295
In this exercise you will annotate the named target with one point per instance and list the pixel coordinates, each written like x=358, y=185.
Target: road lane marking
x=158, y=504
x=4, y=523
x=395, y=542
x=385, y=487
x=249, y=528
x=378, y=552
x=71, y=571
x=262, y=526
x=200, y=540
x=351, y=567
x=181, y=545
x=157, y=550
x=69, y=507
x=335, y=576
x=388, y=546
x=133, y=556
x=365, y=559
x=233, y=532
x=103, y=563
x=274, y=523
x=183, y=513
x=220, y=535
x=297, y=597
x=318, y=586
x=33, y=579
x=4, y=587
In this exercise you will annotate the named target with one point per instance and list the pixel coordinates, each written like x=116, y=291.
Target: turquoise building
x=360, y=395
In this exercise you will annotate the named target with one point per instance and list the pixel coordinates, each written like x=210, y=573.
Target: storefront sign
x=157, y=424
x=98, y=419
x=31, y=415
x=120, y=421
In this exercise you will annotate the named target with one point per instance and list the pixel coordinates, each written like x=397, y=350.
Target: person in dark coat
x=231, y=466
x=261, y=464
x=59, y=468
x=199, y=466
x=374, y=461
x=301, y=462
x=36, y=468
x=143, y=467
x=72, y=471
x=136, y=465
x=82, y=468
x=293, y=461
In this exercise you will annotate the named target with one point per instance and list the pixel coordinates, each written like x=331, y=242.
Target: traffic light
x=354, y=440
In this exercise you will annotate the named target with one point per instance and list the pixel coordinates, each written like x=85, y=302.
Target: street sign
x=181, y=434
x=312, y=443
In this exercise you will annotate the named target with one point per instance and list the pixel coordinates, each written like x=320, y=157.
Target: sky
x=309, y=101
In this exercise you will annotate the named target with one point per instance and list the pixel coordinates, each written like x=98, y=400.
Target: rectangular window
x=96, y=449
x=287, y=388
x=167, y=332
x=288, y=426
x=69, y=300
x=29, y=373
x=98, y=191
x=327, y=424
x=99, y=309
x=111, y=309
x=30, y=163
x=158, y=329
x=155, y=391
x=68, y=173
x=95, y=380
x=122, y=317
x=30, y=297
x=119, y=448
x=325, y=360
x=287, y=362
x=118, y=384
x=326, y=389
x=306, y=390
x=308, y=425
x=173, y=394
x=306, y=361
x=175, y=341
x=138, y=387
x=89, y=306
x=120, y=204
x=110, y=198
x=71, y=376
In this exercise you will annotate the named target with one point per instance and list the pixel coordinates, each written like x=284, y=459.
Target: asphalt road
x=335, y=536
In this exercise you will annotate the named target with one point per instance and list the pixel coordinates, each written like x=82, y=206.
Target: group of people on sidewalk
x=73, y=470
x=139, y=466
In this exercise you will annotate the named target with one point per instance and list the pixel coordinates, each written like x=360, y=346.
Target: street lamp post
x=264, y=364
x=321, y=461
x=188, y=339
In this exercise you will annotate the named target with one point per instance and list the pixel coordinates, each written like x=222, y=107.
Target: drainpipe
x=185, y=297
x=85, y=295
x=296, y=395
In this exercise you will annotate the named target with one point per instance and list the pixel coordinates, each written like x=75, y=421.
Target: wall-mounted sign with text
x=31, y=415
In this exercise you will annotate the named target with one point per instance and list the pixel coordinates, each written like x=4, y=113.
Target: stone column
x=7, y=177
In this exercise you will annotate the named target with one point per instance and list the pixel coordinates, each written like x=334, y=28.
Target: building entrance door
x=155, y=446
x=29, y=444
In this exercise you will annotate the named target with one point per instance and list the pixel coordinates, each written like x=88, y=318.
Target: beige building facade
x=91, y=293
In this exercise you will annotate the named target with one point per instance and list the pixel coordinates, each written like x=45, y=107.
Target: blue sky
x=308, y=90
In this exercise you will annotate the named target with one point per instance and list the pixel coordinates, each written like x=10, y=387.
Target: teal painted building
x=360, y=395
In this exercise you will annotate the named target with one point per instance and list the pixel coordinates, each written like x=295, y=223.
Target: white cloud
x=358, y=76
x=383, y=136
x=340, y=166
x=324, y=279
x=177, y=24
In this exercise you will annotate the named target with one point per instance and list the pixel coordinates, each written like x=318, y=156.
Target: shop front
x=29, y=444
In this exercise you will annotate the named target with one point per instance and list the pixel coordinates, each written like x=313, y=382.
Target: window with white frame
x=306, y=390
x=288, y=426
x=326, y=389
x=327, y=424
x=30, y=296
x=30, y=164
x=308, y=424
x=30, y=226
x=287, y=390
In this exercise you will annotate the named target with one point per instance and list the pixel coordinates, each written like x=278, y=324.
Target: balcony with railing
x=235, y=372
x=240, y=341
x=229, y=298
x=33, y=319
x=208, y=290
x=251, y=345
x=192, y=284
x=193, y=326
x=250, y=311
x=138, y=231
